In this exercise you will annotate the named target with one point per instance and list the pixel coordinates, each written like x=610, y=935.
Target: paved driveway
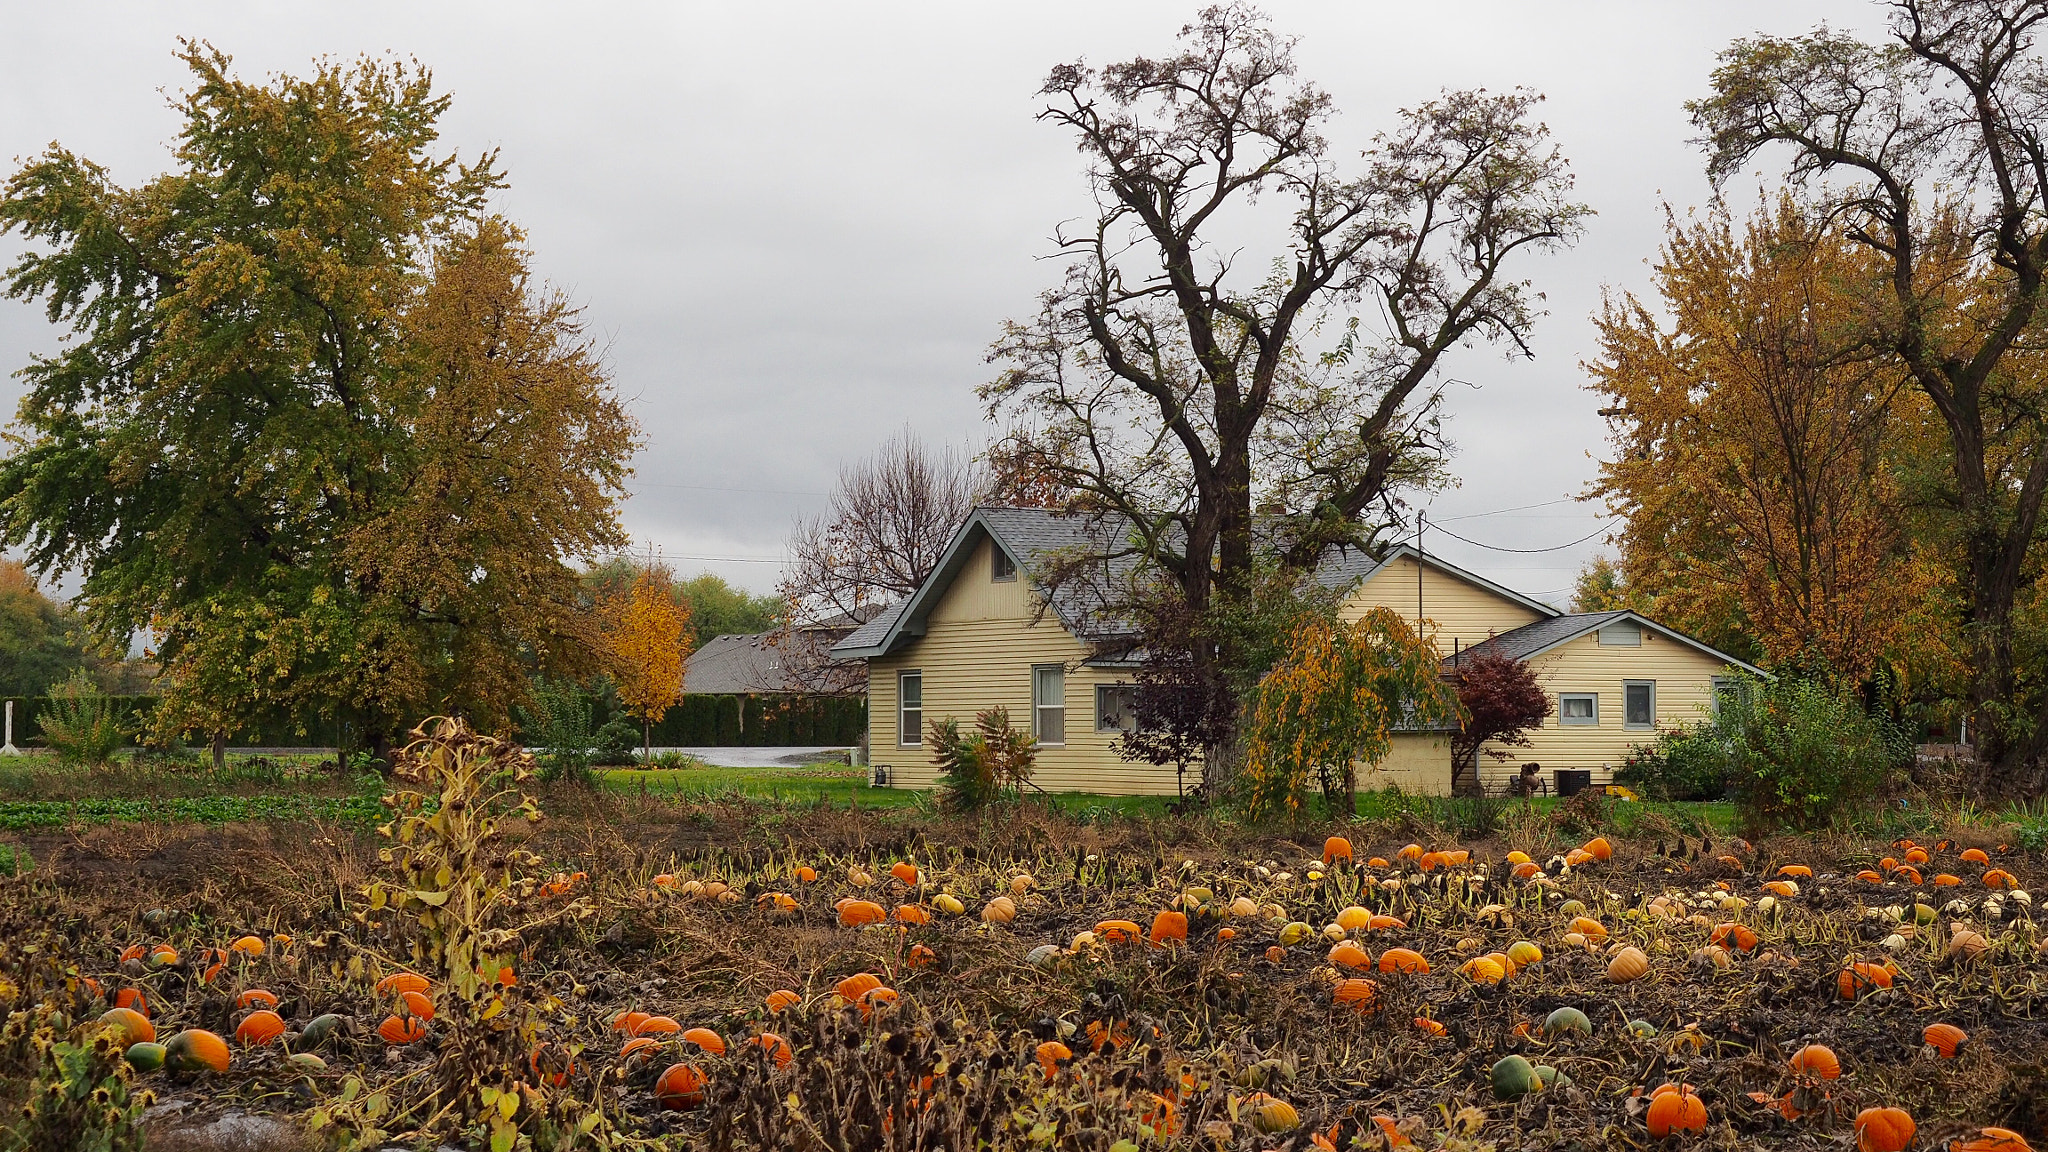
x=759, y=757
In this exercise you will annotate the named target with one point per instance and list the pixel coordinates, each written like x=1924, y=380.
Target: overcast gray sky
x=796, y=227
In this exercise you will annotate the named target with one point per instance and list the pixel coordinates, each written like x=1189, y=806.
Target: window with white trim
x=1049, y=703
x=1621, y=634
x=1639, y=704
x=1000, y=566
x=909, y=708
x=1578, y=708
x=1116, y=708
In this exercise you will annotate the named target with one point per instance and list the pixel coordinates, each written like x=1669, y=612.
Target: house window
x=1727, y=690
x=1639, y=704
x=1049, y=703
x=1000, y=566
x=1621, y=635
x=1115, y=708
x=1578, y=708
x=910, y=708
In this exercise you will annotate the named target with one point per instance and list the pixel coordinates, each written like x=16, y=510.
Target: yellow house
x=982, y=633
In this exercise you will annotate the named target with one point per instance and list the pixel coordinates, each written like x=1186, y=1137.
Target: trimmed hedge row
x=699, y=721
x=759, y=721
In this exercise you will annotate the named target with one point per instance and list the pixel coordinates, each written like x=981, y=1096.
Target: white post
x=10, y=749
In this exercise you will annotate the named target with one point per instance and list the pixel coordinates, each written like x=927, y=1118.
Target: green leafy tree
x=312, y=427
x=719, y=609
x=1797, y=750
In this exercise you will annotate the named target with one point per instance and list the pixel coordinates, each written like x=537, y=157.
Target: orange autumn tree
x=647, y=630
x=1334, y=701
x=1761, y=447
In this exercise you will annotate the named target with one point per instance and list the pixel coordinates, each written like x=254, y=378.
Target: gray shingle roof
x=1541, y=636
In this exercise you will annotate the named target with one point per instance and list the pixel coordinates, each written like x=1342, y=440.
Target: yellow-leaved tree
x=1335, y=700
x=647, y=633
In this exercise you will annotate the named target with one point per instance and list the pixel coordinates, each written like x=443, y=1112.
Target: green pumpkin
x=1044, y=956
x=1567, y=1020
x=317, y=1031
x=307, y=1062
x=146, y=1056
x=1642, y=1028
x=1548, y=1078
x=1571, y=908
x=1514, y=1078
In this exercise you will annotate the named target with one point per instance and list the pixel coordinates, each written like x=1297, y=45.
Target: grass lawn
x=835, y=784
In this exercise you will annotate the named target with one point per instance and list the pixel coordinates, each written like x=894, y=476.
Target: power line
x=1498, y=511
x=1525, y=551
x=750, y=491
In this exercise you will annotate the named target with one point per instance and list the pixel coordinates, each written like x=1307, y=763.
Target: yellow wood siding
x=1684, y=677
x=981, y=642
x=1419, y=763
x=1455, y=613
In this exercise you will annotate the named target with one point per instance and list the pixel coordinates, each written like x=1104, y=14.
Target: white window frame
x=1039, y=705
x=1649, y=725
x=1615, y=630
x=1107, y=729
x=1565, y=721
x=1724, y=688
x=909, y=736
x=1001, y=569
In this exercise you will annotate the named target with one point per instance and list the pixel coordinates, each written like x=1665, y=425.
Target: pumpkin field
x=476, y=972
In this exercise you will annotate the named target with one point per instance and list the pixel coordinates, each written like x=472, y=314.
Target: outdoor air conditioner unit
x=881, y=775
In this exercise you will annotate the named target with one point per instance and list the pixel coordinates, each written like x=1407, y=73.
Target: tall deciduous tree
x=1162, y=385
x=314, y=427
x=1758, y=440
x=1930, y=151
x=41, y=641
x=1500, y=701
x=647, y=630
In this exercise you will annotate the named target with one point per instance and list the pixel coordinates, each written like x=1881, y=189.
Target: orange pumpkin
x=1169, y=927
x=777, y=1048
x=1916, y=856
x=402, y=1029
x=1381, y=922
x=1975, y=856
x=256, y=998
x=1735, y=937
x=2000, y=878
x=1909, y=875
x=1119, y=932
x=1526, y=869
x=1403, y=960
x=132, y=952
x=1628, y=965
x=1782, y=889
x=1859, y=978
x=1430, y=1026
x=1817, y=1061
x=639, y=1049
x=1336, y=848
x=1884, y=1130
x=1050, y=1054
x=1946, y=880
x=418, y=1005
x=921, y=957
x=1410, y=852
x=705, y=1039
x=248, y=946
x=1361, y=996
x=559, y=1065
x=1345, y=954
x=132, y=998
x=782, y=1000
x=806, y=874
x=194, y=1049
x=1599, y=849
x=1869, y=877
x=680, y=1088
x=628, y=1022
x=856, y=985
x=657, y=1026
x=1677, y=1110
x=855, y=913
x=1430, y=861
x=1945, y=1039
x=905, y=871
x=912, y=914
x=1796, y=870
x=399, y=983
x=134, y=1027
x=259, y=1028
x=874, y=999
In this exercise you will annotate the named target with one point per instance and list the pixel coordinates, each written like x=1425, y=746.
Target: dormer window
x=1000, y=566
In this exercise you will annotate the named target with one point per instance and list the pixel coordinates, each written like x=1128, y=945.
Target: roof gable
x=1533, y=640
x=1447, y=568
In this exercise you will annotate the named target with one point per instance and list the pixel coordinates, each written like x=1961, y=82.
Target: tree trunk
x=646, y=741
x=220, y=751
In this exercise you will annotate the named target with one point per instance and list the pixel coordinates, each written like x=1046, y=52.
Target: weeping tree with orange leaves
x=647, y=630
x=1333, y=702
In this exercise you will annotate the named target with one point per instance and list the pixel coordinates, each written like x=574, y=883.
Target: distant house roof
x=1535, y=639
x=769, y=663
x=1037, y=538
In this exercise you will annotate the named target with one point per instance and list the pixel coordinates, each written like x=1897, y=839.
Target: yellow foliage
x=648, y=635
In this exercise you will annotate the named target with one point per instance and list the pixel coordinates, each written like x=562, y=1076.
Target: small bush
x=559, y=721
x=1688, y=764
x=1798, y=751
x=981, y=767
x=81, y=726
